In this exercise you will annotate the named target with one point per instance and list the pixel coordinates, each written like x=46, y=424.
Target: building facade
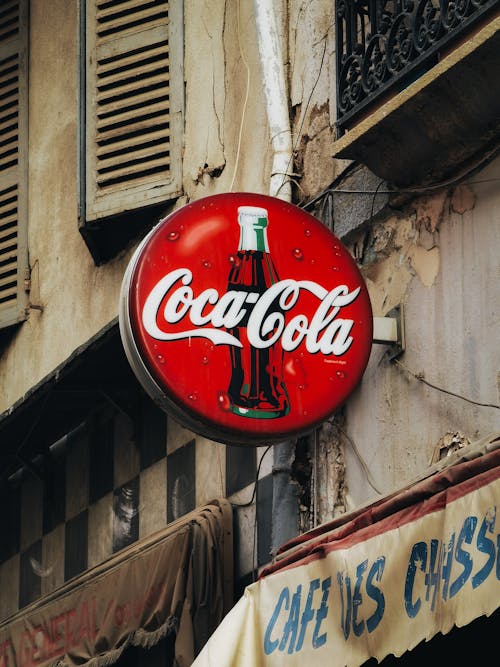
x=380, y=119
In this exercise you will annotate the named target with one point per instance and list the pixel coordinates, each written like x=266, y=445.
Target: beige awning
x=178, y=580
x=379, y=580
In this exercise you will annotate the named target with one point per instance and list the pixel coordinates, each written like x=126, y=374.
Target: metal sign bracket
x=390, y=330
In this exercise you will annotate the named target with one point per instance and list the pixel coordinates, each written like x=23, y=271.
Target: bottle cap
x=252, y=215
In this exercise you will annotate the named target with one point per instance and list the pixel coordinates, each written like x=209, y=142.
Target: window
x=13, y=161
x=132, y=123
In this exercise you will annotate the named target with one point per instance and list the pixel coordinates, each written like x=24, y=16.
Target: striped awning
x=379, y=580
x=176, y=582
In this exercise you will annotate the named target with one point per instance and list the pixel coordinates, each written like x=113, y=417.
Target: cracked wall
x=227, y=143
x=428, y=252
x=404, y=245
x=329, y=472
x=226, y=133
x=312, y=95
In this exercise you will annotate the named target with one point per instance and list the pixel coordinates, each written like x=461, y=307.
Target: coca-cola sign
x=245, y=318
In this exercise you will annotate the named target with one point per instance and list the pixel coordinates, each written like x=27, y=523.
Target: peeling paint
x=387, y=282
x=388, y=261
x=430, y=209
x=425, y=263
x=383, y=237
x=462, y=199
x=406, y=232
x=315, y=173
x=427, y=239
x=301, y=475
x=402, y=247
x=448, y=444
x=214, y=171
x=330, y=491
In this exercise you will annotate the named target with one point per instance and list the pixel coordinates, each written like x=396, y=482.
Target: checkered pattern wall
x=114, y=480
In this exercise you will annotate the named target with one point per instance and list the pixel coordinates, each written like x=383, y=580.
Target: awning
x=377, y=581
x=96, y=374
x=178, y=580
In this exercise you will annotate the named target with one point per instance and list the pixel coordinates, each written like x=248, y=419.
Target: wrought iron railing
x=383, y=45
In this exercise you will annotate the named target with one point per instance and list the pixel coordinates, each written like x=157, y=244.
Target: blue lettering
x=317, y=639
x=270, y=645
x=440, y=560
x=291, y=626
x=447, y=564
x=463, y=557
x=486, y=546
x=432, y=575
x=346, y=606
x=352, y=602
x=418, y=557
x=307, y=614
x=289, y=608
x=375, y=573
x=357, y=599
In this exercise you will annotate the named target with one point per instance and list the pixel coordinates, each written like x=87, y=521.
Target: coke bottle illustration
x=256, y=388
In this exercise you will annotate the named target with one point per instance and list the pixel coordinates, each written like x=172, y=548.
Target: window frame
x=109, y=223
x=16, y=177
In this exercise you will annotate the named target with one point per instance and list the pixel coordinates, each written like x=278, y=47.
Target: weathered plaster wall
x=77, y=299
x=312, y=95
x=439, y=257
x=227, y=147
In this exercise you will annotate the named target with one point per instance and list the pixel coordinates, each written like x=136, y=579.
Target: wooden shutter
x=13, y=161
x=134, y=96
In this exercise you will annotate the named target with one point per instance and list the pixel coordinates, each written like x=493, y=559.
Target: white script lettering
x=325, y=332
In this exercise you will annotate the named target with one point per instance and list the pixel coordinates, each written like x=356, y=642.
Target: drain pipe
x=273, y=78
x=286, y=492
x=285, y=516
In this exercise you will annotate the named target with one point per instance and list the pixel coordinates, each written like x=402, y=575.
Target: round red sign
x=245, y=318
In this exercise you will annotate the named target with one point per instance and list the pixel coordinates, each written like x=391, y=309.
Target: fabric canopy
x=178, y=580
x=377, y=581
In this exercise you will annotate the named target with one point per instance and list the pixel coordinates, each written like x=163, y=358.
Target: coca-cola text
x=324, y=332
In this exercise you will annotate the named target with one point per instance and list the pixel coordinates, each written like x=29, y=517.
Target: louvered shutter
x=13, y=161
x=134, y=99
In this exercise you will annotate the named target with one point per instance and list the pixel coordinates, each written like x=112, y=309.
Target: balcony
x=418, y=86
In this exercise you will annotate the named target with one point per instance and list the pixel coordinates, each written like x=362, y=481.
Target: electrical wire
x=247, y=504
x=417, y=376
x=301, y=125
x=361, y=460
x=255, y=483
x=391, y=191
x=373, y=201
x=416, y=190
x=420, y=376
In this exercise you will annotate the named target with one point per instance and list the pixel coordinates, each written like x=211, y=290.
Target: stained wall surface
x=437, y=254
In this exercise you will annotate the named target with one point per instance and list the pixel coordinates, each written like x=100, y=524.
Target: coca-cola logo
x=245, y=318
